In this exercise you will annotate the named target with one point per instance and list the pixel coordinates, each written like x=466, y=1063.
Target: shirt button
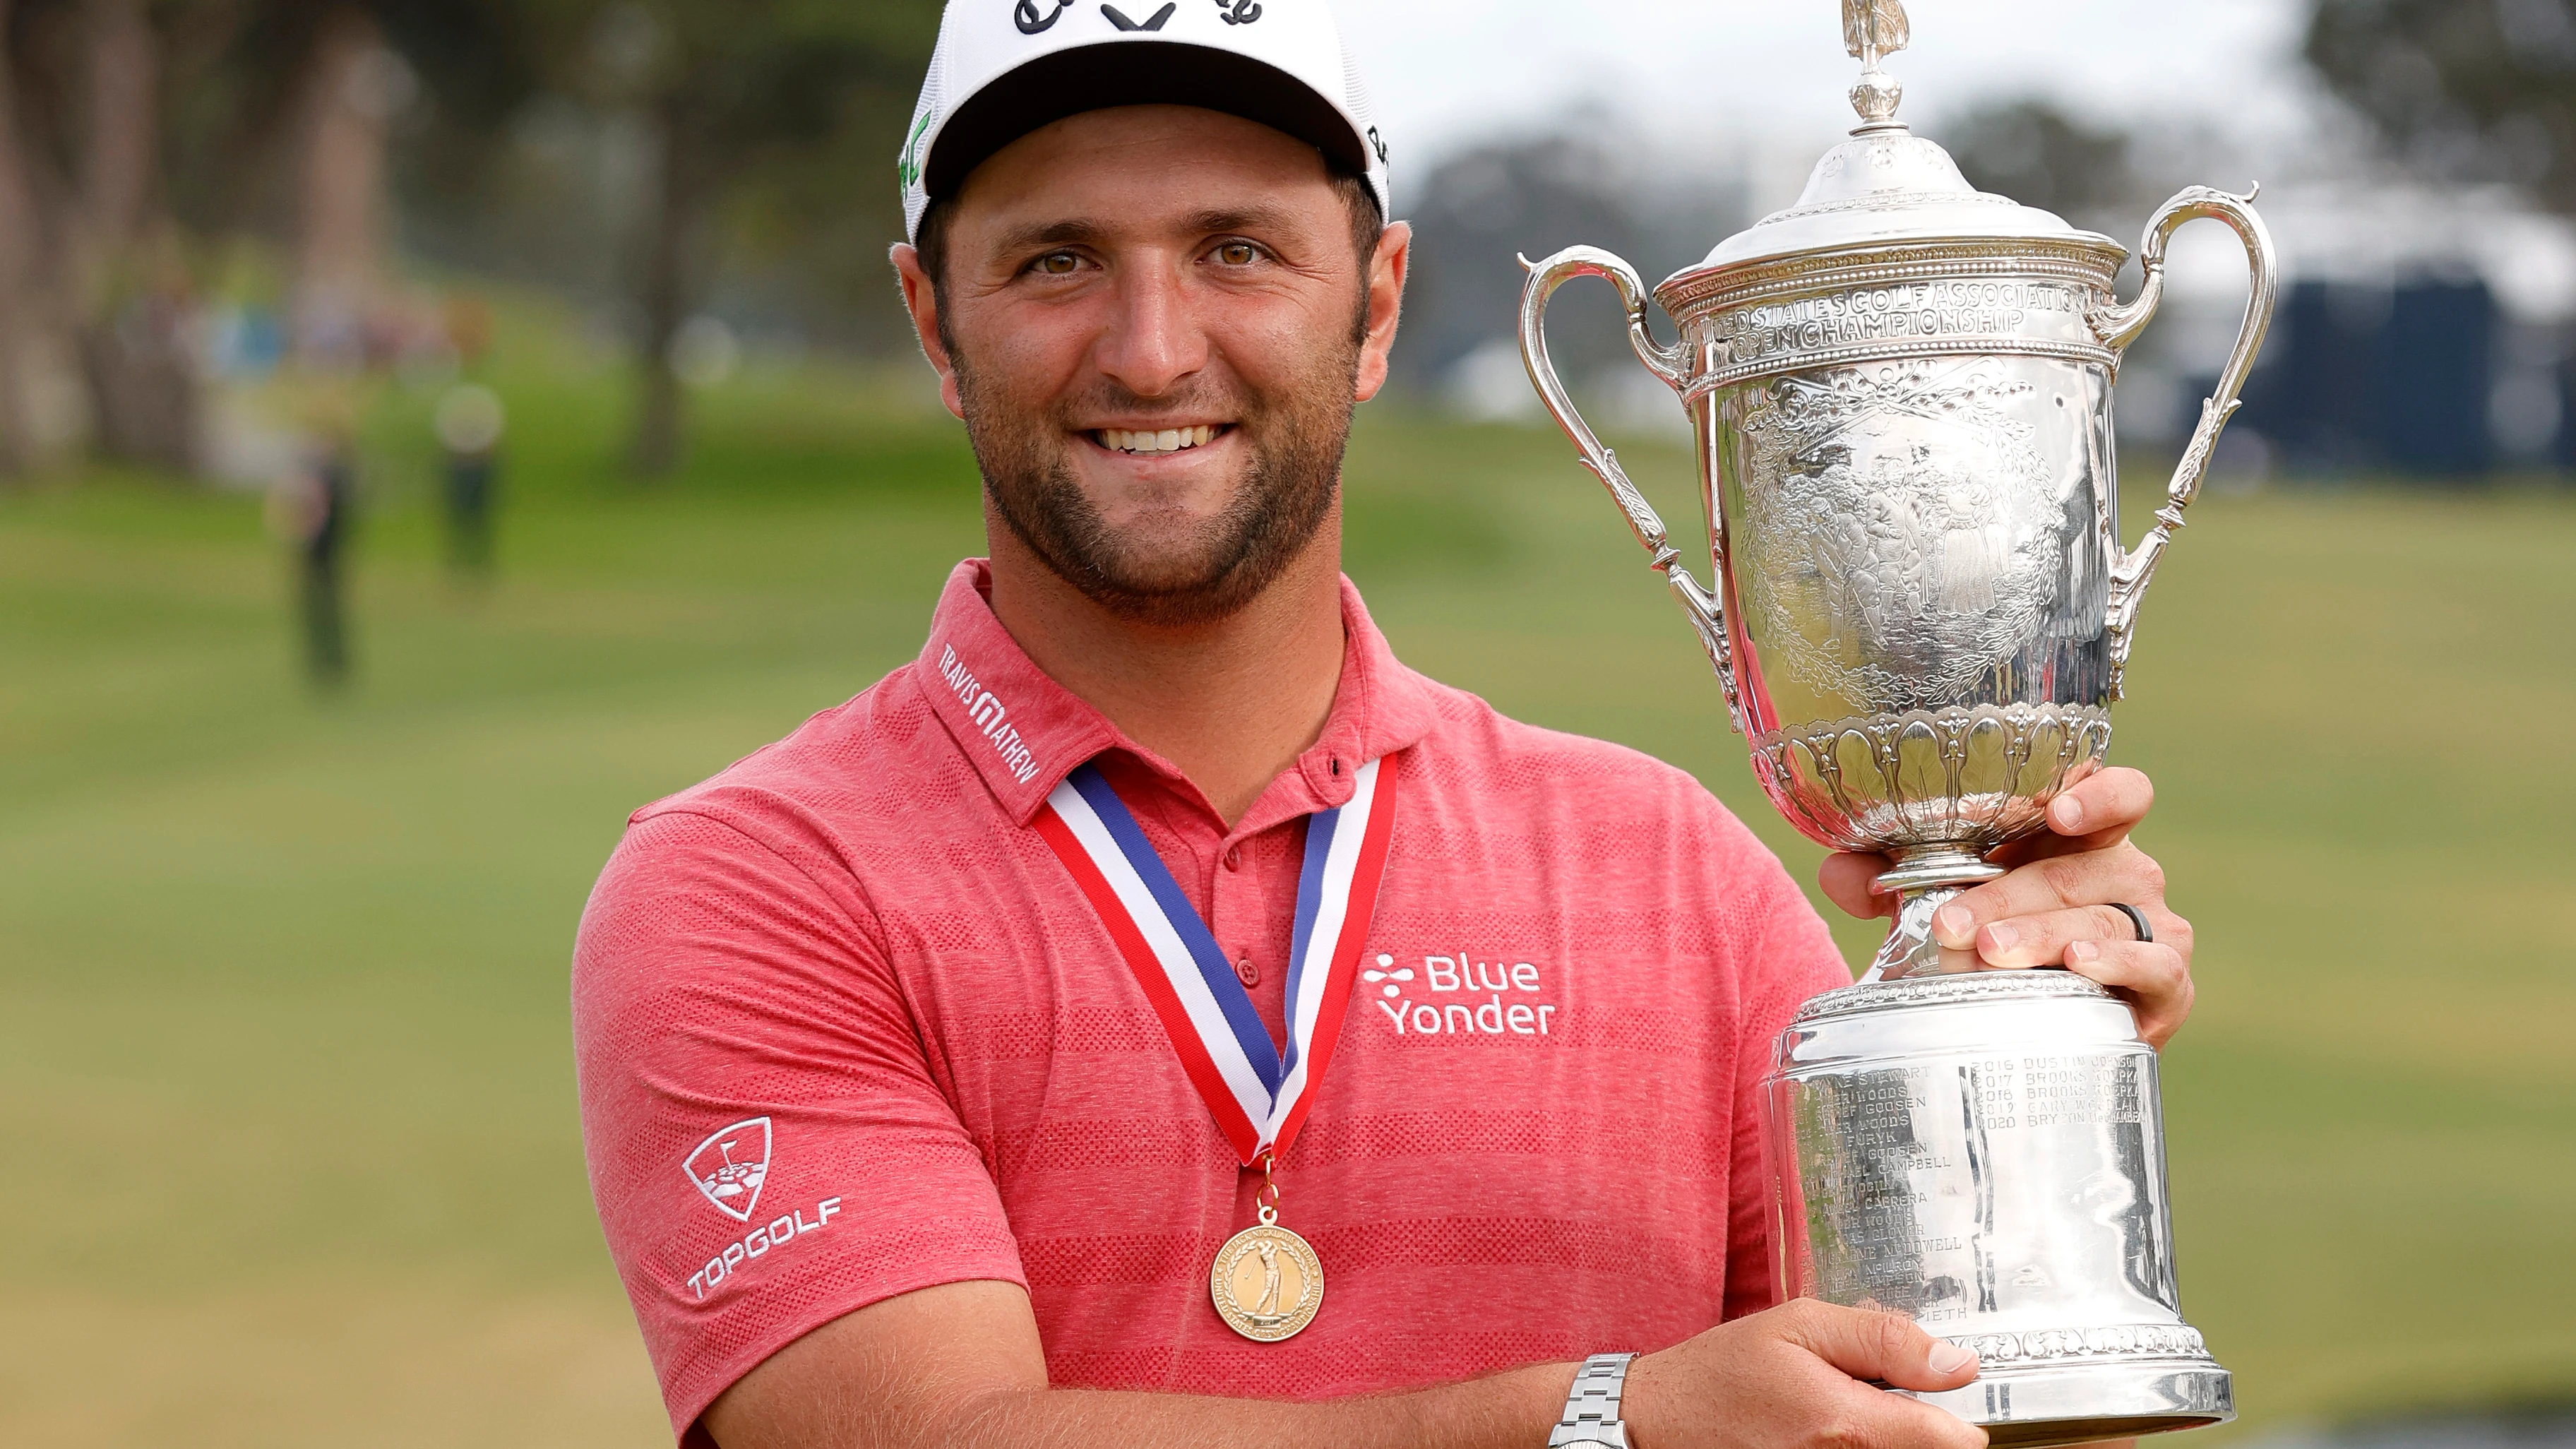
x=1234, y=858
x=1246, y=972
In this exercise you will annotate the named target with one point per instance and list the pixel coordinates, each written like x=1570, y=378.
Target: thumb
x=1880, y=1347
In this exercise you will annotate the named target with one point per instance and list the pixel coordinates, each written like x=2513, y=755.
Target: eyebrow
x=1075, y=231
x=1254, y=218
x=1047, y=234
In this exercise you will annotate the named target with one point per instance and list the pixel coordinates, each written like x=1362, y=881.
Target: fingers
x=2057, y=911
x=1804, y=1375
x=2028, y=943
x=2154, y=976
x=1845, y=879
x=2058, y=883
x=1878, y=1346
x=2104, y=806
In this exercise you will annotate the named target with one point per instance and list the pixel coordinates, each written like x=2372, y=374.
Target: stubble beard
x=1283, y=495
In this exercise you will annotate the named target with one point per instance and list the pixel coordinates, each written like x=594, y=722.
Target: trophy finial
x=1872, y=31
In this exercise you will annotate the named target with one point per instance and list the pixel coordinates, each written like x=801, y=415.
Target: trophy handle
x=1672, y=364
x=2118, y=326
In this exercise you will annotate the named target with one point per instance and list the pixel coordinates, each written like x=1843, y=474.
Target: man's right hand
x=1796, y=1378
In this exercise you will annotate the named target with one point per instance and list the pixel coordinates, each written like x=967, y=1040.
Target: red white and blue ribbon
x=1258, y=1093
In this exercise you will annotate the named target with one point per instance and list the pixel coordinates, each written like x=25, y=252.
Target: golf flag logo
x=730, y=1166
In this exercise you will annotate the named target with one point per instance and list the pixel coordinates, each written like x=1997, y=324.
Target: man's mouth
x=1166, y=440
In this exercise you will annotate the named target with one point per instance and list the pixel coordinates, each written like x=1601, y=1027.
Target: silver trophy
x=1901, y=394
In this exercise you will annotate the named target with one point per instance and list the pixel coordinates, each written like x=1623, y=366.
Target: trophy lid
x=1886, y=184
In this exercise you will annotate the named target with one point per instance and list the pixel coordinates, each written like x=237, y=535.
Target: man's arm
x=959, y=1367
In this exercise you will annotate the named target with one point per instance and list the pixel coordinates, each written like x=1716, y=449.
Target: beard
x=1211, y=569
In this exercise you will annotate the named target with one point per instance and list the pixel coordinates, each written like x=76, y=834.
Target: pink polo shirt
x=846, y=1029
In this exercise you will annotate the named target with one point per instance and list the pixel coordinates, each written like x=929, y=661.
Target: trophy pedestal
x=1985, y=1153
x=2036, y=1408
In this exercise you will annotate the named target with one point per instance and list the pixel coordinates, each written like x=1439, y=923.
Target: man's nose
x=1155, y=340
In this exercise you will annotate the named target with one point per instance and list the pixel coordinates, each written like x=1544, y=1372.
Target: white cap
x=1004, y=68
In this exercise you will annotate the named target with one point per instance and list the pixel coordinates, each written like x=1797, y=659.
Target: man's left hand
x=2056, y=907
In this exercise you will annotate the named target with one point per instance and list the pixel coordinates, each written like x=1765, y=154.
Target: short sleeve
x=1787, y=958
x=768, y=1146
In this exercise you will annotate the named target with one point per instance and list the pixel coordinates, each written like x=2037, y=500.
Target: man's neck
x=1230, y=703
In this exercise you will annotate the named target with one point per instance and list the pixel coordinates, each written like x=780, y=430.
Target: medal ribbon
x=1258, y=1094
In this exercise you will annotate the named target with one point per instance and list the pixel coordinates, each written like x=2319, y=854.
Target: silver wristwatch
x=1592, y=1410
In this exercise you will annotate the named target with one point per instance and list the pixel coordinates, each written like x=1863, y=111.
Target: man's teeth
x=1169, y=440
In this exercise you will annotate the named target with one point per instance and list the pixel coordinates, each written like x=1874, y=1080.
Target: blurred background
x=431, y=428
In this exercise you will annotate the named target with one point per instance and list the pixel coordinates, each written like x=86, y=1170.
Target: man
x=315, y=509
x=961, y=1069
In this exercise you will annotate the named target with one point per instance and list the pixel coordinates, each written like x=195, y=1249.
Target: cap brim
x=1134, y=73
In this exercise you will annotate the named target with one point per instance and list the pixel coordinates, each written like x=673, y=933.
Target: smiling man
x=1157, y=1016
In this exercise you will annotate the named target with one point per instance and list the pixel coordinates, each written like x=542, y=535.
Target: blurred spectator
x=469, y=327
x=470, y=423
x=314, y=508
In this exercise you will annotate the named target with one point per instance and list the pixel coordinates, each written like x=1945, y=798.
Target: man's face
x=1156, y=326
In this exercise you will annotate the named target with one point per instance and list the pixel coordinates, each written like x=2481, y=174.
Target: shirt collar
x=1024, y=733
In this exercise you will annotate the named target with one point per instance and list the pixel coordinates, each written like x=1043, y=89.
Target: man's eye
x=1059, y=264
x=1238, y=254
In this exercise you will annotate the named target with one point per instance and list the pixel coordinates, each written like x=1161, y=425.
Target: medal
x=1266, y=1282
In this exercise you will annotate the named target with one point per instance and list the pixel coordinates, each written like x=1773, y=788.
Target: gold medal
x=1267, y=1282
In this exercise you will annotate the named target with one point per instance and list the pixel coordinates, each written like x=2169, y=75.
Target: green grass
x=283, y=1071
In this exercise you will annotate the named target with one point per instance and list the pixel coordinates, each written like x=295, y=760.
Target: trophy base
x=2039, y=1408
x=1984, y=1153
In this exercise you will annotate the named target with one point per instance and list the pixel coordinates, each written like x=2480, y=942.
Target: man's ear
x=1385, y=301
x=921, y=299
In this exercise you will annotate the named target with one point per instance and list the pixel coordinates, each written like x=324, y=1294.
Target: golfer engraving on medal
x=1268, y=1307
x=1267, y=1283
x=1900, y=390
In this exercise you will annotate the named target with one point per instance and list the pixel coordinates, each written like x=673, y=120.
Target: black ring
x=2138, y=919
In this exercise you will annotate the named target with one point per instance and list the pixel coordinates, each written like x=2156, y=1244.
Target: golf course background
x=285, y=1089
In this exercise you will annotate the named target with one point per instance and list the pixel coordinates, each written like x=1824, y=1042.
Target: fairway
x=285, y=1083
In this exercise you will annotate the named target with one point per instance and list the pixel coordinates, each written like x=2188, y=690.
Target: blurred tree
x=126, y=123
x=21, y=254
x=2039, y=156
x=87, y=280
x=743, y=98
x=1482, y=209
x=123, y=121
x=2463, y=89
x=284, y=111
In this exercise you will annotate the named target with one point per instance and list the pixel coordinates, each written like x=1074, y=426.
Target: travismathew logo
x=989, y=715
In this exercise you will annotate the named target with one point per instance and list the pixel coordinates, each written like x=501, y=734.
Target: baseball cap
x=1004, y=68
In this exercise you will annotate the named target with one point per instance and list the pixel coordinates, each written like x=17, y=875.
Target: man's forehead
x=1145, y=168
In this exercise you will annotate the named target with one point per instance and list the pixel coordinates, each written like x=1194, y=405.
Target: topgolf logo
x=730, y=1166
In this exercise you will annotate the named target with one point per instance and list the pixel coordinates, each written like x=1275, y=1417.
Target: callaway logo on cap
x=1004, y=68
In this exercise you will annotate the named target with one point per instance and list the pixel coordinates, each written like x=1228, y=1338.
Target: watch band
x=1592, y=1409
